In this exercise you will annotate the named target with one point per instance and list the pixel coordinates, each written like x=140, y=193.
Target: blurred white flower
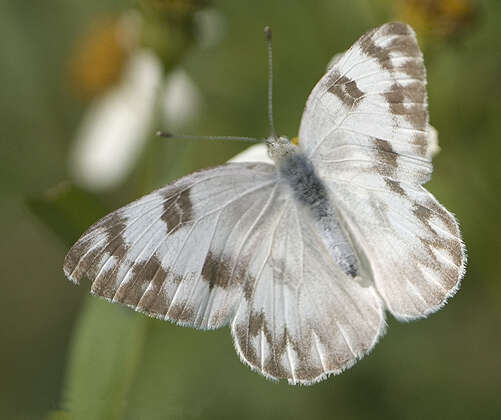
x=432, y=148
x=131, y=94
x=181, y=100
x=117, y=124
x=335, y=58
x=256, y=153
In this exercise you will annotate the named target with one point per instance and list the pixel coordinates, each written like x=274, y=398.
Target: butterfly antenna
x=182, y=136
x=267, y=31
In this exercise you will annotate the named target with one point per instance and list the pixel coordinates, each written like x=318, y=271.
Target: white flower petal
x=256, y=153
x=116, y=125
x=433, y=148
x=181, y=100
x=335, y=58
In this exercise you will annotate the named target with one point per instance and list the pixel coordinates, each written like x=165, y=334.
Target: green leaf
x=67, y=210
x=108, y=340
x=59, y=415
x=105, y=352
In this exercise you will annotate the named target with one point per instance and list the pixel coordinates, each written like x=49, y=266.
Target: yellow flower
x=436, y=18
x=101, y=53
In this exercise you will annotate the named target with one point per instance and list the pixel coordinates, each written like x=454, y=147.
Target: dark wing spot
x=409, y=101
x=257, y=323
x=181, y=312
x=413, y=68
x=395, y=187
x=345, y=89
x=272, y=364
x=380, y=54
x=104, y=284
x=72, y=259
x=446, y=218
x=217, y=271
x=452, y=245
x=144, y=273
x=404, y=45
x=178, y=209
x=422, y=213
x=249, y=288
x=81, y=258
x=156, y=301
x=115, y=225
x=396, y=28
x=386, y=157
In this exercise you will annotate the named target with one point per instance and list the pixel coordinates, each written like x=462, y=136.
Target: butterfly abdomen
x=310, y=191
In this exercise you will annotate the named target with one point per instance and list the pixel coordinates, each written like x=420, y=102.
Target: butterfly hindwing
x=412, y=243
x=302, y=317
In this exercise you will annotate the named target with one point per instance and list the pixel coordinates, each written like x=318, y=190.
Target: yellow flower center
x=98, y=59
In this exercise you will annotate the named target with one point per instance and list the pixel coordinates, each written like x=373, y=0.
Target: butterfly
x=302, y=258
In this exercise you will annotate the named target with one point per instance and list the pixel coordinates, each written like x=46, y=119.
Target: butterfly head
x=280, y=147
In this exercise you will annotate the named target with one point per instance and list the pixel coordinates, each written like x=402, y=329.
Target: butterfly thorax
x=310, y=191
x=279, y=148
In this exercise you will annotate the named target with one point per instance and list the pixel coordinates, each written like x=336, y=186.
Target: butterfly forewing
x=365, y=127
x=370, y=111
x=179, y=253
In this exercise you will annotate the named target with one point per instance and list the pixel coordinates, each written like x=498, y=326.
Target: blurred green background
x=65, y=355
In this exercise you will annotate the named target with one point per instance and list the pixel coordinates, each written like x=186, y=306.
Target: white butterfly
x=302, y=258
